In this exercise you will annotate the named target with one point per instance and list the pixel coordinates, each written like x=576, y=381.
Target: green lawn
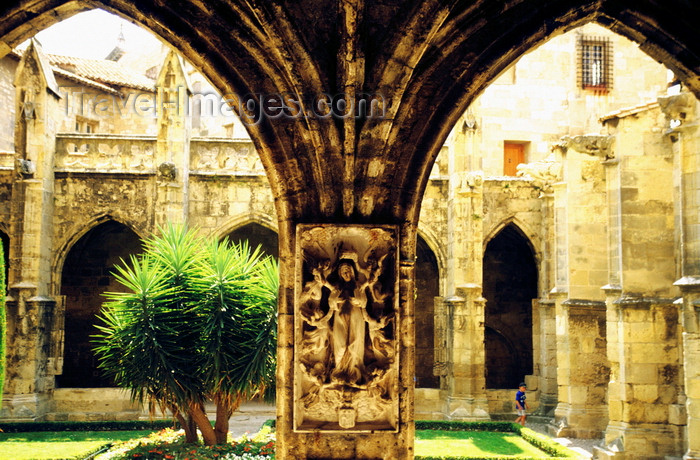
x=59, y=444
x=474, y=443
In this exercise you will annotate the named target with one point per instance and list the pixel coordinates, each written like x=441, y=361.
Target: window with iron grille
x=595, y=63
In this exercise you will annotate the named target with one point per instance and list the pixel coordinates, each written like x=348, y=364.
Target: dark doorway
x=87, y=274
x=256, y=235
x=510, y=284
x=427, y=288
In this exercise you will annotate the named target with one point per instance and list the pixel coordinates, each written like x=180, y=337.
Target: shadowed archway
x=427, y=288
x=87, y=274
x=257, y=235
x=510, y=284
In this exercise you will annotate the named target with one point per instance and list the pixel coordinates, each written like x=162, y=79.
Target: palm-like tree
x=198, y=322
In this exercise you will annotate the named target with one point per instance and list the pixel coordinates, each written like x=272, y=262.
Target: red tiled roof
x=107, y=72
x=622, y=113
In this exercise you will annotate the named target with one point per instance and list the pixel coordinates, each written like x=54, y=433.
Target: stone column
x=544, y=175
x=643, y=349
x=465, y=381
x=642, y=320
x=466, y=388
x=546, y=360
x=690, y=314
x=172, y=156
x=583, y=370
x=581, y=268
x=682, y=110
x=30, y=307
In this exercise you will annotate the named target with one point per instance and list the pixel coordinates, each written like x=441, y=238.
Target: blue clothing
x=520, y=397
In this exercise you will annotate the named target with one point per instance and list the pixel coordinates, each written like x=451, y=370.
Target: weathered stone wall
x=123, y=111
x=83, y=200
x=554, y=105
x=217, y=201
x=512, y=200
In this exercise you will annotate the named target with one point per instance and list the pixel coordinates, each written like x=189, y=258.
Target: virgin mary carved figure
x=337, y=306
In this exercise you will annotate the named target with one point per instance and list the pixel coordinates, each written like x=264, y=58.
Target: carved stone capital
x=24, y=168
x=469, y=181
x=679, y=107
x=591, y=144
x=543, y=173
x=167, y=171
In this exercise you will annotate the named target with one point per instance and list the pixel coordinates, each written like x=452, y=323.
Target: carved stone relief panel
x=345, y=331
x=225, y=156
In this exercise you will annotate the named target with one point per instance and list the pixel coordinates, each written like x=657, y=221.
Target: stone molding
x=584, y=306
x=632, y=301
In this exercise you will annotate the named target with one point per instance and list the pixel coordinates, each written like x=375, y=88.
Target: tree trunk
x=223, y=414
x=187, y=424
x=200, y=418
x=226, y=405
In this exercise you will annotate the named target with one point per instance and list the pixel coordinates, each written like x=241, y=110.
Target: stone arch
x=509, y=285
x=432, y=61
x=427, y=288
x=86, y=274
x=73, y=235
x=256, y=233
x=254, y=217
x=532, y=237
x=438, y=250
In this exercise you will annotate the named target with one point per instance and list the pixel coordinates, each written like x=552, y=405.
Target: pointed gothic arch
x=427, y=288
x=510, y=284
x=256, y=234
x=86, y=275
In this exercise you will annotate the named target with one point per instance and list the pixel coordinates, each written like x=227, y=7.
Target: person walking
x=521, y=404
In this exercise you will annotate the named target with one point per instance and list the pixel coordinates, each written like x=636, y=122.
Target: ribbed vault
x=428, y=59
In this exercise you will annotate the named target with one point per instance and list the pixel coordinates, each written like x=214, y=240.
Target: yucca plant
x=196, y=315
x=229, y=290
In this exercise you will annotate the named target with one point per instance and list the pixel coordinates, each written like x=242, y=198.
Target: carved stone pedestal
x=352, y=393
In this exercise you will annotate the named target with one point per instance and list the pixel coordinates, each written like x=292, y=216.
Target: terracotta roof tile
x=107, y=72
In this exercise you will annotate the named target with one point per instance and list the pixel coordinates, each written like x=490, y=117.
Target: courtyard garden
x=434, y=440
